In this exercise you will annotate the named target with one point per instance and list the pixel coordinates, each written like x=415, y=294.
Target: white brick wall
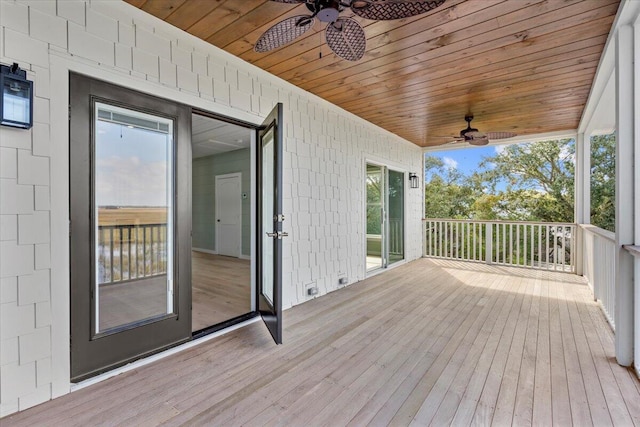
x=325, y=149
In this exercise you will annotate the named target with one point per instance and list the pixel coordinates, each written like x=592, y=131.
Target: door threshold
x=223, y=325
x=200, y=339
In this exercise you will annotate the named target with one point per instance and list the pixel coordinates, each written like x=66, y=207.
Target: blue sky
x=466, y=160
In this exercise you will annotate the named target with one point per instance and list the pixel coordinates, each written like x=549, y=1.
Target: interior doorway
x=222, y=193
x=228, y=214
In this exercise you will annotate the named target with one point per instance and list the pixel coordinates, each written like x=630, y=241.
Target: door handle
x=278, y=234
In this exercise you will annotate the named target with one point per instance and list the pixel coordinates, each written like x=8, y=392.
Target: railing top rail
x=609, y=235
x=633, y=250
x=132, y=225
x=493, y=221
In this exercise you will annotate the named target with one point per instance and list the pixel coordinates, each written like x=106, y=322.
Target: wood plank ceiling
x=524, y=66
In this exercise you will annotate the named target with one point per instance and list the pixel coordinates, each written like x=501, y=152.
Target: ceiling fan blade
x=500, y=135
x=453, y=138
x=478, y=141
x=392, y=9
x=284, y=32
x=346, y=39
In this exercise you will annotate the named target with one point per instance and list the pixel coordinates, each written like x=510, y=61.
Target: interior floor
x=221, y=289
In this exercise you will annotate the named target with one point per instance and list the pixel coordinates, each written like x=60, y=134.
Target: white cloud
x=127, y=181
x=450, y=163
x=499, y=148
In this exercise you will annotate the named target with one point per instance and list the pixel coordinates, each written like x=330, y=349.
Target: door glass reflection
x=268, y=213
x=375, y=215
x=133, y=211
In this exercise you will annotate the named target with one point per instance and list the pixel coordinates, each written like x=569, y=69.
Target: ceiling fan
x=475, y=137
x=344, y=35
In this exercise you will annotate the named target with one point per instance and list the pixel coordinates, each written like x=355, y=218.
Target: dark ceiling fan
x=475, y=137
x=344, y=35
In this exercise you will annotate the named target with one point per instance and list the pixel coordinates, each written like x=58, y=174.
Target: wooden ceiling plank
x=463, y=97
x=191, y=12
x=409, y=47
x=361, y=95
x=537, y=68
x=247, y=22
x=162, y=9
x=383, y=28
x=469, y=42
x=462, y=28
x=560, y=97
x=460, y=104
x=532, y=101
x=136, y=3
x=437, y=29
x=501, y=63
x=521, y=65
x=406, y=122
x=223, y=17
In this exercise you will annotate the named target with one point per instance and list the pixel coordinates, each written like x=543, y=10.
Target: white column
x=625, y=220
x=636, y=73
x=582, y=195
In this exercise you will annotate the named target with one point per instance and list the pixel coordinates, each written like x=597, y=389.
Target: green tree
x=539, y=181
x=603, y=190
x=448, y=193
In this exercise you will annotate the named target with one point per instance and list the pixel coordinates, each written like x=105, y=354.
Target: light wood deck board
x=432, y=342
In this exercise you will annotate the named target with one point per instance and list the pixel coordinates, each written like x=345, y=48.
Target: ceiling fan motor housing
x=327, y=10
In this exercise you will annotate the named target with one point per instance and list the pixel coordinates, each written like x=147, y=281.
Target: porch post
x=625, y=219
x=636, y=168
x=582, y=198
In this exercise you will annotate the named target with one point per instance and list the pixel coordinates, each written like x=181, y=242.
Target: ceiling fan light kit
x=344, y=35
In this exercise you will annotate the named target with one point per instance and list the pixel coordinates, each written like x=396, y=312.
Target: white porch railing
x=599, y=261
x=539, y=245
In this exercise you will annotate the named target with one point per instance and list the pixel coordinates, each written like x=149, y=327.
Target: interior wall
x=323, y=170
x=205, y=170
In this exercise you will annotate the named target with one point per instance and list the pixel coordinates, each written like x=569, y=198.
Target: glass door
x=395, y=210
x=375, y=217
x=270, y=216
x=130, y=288
x=384, y=216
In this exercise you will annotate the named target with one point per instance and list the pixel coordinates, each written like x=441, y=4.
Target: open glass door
x=130, y=223
x=270, y=216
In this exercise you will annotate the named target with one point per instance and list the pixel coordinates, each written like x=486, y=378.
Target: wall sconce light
x=413, y=180
x=16, y=108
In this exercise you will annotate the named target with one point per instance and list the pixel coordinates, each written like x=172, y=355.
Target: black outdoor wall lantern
x=413, y=180
x=16, y=108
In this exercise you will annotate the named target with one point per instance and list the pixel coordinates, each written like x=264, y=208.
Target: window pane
x=375, y=225
x=396, y=216
x=268, y=211
x=133, y=211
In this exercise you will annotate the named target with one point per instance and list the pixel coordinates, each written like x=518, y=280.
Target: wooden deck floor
x=428, y=343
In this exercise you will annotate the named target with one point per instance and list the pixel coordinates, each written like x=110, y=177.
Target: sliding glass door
x=384, y=216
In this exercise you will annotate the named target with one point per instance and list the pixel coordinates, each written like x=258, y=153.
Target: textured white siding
x=324, y=168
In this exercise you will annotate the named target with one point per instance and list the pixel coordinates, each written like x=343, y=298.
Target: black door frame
x=92, y=354
x=271, y=312
x=175, y=328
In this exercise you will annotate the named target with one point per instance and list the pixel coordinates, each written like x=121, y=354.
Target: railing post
x=424, y=237
x=489, y=242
